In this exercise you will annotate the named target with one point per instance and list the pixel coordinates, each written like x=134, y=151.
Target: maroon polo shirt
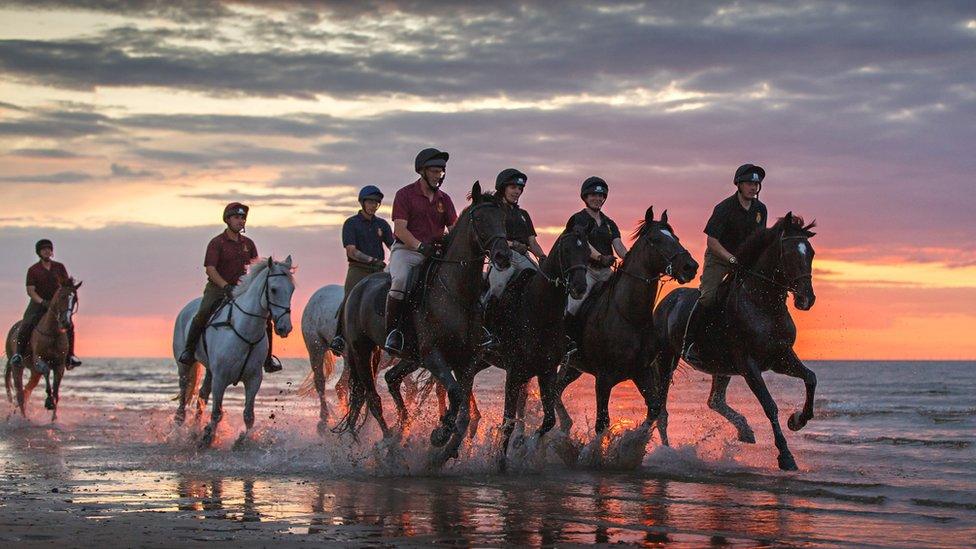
x=426, y=219
x=46, y=281
x=230, y=257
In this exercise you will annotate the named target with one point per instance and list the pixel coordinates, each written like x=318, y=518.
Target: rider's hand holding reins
x=228, y=290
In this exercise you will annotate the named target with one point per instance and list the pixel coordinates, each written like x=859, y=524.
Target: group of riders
x=423, y=213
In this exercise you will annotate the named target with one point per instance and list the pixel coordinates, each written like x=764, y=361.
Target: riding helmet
x=235, y=208
x=430, y=158
x=594, y=185
x=749, y=173
x=41, y=244
x=509, y=176
x=370, y=192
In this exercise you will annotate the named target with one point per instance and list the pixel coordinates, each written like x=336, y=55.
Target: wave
x=955, y=444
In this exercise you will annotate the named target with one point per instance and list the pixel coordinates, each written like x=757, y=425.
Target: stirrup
x=17, y=359
x=272, y=364
x=73, y=362
x=394, y=342
x=488, y=339
x=187, y=358
x=337, y=345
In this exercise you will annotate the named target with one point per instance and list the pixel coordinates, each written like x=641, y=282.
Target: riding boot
x=690, y=352
x=572, y=333
x=23, y=342
x=338, y=343
x=188, y=357
x=394, y=338
x=271, y=362
x=72, y=359
x=488, y=339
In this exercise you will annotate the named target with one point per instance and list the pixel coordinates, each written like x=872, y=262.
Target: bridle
x=562, y=279
x=790, y=286
x=485, y=246
x=668, y=266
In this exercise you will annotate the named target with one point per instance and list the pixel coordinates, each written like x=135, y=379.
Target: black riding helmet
x=509, y=176
x=235, y=208
x=749, y=173
x=41, y=244
x=430, y=158
x=594, y=185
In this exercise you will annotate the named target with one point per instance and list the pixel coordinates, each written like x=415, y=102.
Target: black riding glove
x=378, y=263
x=519, y=247
x=541, y=258
x=46, y=304
x=426, y=249
x=228, y=291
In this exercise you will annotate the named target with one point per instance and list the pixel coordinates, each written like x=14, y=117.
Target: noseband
x=790, y=286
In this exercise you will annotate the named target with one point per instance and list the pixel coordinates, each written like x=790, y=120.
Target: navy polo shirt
x=367, y=235
x=731, y=224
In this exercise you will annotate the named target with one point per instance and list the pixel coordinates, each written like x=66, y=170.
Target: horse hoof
x=748, y=437
x=179, y=417
x=49, y=403
x=787, y=463
x=241, y=443
x=440, y=436
x=207, y=439
x=322, y=428
x=794, y=422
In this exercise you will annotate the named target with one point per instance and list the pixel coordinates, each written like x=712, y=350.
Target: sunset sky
x=124, y=131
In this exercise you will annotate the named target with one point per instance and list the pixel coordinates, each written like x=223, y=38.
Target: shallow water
x=888, y=460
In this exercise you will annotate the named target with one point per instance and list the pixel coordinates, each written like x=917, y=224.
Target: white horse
x=319, y=323
x=235, y=344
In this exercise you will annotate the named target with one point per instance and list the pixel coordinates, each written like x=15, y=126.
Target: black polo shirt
x=518, y=224
x=732, y=224
x=367, y=235
x=600, y=236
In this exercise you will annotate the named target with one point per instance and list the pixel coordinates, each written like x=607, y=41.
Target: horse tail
x=7, y=377
x=307, y=387
x=357, y=400
x=192, y=383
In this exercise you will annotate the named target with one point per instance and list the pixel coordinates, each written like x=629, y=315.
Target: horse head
x=488, y=227
x=661, y=251
x=568, y=259
x=796, y=260
x=65, y=303
x=278, y=292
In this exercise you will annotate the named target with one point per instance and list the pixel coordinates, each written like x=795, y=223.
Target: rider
x=363, y=236
x=43, y=280
x=228, y=255
x=509, y=185
x=733, y=220
x=421, y=214
x=603, y=237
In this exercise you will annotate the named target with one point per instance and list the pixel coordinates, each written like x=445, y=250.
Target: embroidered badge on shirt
x=758, y=217
x=379, y=232
x=440, y=207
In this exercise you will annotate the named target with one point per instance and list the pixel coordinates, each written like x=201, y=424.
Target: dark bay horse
x=443, y=323
x=617, y=337
x=755, y=333
x=529, y=321
x=48, y=350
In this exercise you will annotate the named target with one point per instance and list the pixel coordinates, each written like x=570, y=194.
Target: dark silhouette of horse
x=442, y=323
x=616, y=339
x=529, y=321
x=753, y=332
x=48, y=350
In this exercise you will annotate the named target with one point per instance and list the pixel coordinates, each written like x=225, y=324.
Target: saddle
x=599, y=288
x=418, y=282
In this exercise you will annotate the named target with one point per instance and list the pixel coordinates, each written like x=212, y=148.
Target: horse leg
x=49, y=401
x=793, y=367
x=512, y=389
x=666, y=364
x=439, y=368
x=547, y=390
x=603, y=388
x=316, y=358
x=750, y=370
x=566, y=375
x=251, y=386
x=410, y=389
x=56, y=390
x=463, y=416
x=716, y=401
x=216, y=413
x=180, y=415
x=342, y=387
x=18, y=375
x=645, y=382
x=35, y=378
x=204, y=395
x=394, y=377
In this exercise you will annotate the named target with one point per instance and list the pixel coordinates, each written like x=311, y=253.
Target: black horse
x=442, y=325
x=528, y=320
x=753, y=332
x=616, y=340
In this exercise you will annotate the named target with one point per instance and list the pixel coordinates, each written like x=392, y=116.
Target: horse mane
x=754, y=246
x=642, y=229
x=484, y=197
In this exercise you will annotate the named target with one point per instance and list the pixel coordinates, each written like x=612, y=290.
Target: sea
x=889, y=460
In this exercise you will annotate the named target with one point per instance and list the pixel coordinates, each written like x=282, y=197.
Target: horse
x=616, y=339
x=754, y=333
x=528, y=320
x=319, y=324
x=234, y=345
x=48, y=350
x=442, y=324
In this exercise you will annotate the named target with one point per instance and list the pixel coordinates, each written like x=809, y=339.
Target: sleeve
x=575, y=219
x=348, y=234
x=254, y=250
x=387, y=234
x=528, y=222
x=450, y=214
x=765, y=215
x=614, y=230
x=716, y=224
x=62, y=273
x=400, y=207
x=31, y=278
x=213, y=254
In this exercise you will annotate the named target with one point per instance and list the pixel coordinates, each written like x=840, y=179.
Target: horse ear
x=476, y=191
x=270, y=261
x=789, y=216
x=78, y=285
x=288, y=260
x=664, y=217
x=649, y=215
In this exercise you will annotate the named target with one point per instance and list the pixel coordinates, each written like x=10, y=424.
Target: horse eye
x=274, y=290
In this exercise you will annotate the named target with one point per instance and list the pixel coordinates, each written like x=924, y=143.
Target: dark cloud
x=126, y=172
x=57, y=178
x=292, y=126
x=44, y=153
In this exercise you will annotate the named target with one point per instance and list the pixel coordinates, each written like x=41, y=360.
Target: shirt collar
x=418, y=188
